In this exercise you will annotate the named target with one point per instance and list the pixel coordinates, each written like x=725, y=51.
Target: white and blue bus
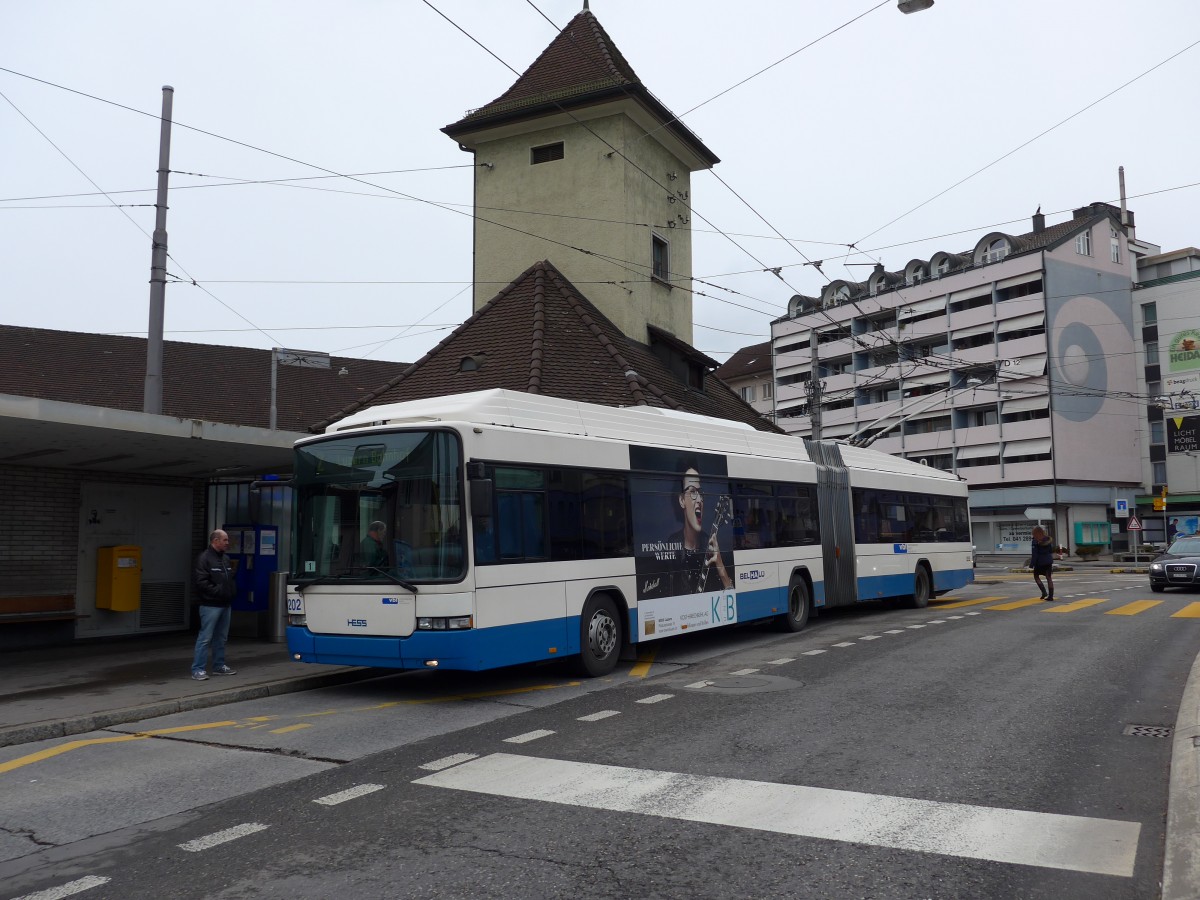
x=492, y=528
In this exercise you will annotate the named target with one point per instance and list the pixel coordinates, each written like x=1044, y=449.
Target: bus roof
x=631, y=424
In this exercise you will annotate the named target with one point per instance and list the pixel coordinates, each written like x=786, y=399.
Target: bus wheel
x=600, y=636
x=799, y=605
x=920, y=597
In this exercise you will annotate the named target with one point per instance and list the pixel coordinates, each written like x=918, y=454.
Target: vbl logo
x=357, y=623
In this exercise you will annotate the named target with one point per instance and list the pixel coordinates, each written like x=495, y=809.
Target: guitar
x=722, y=515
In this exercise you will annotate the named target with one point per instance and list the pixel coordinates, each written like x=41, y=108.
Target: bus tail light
x=442, y=623
x=298, y=620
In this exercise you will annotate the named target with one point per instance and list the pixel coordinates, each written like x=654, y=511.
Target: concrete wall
x=1089, y=323
x=593, y=201
x=39, y=541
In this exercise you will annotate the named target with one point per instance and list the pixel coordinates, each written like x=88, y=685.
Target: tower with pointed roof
x=577, y=162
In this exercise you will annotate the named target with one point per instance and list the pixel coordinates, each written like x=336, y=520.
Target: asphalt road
x=974, y=749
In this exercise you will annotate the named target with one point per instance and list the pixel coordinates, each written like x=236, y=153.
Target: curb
x=1181, y=855
x=53, y=728
x=1024, y=570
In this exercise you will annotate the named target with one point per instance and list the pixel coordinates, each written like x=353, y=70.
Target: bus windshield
x=379, y=507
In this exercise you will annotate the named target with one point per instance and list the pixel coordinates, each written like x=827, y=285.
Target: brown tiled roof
x=581, y=59
x=541, y=336
x=581, y=66
x=200, y=381
x=752, y=360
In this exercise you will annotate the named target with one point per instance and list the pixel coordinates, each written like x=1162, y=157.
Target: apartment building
x=1011, y=363
x=1166, y=300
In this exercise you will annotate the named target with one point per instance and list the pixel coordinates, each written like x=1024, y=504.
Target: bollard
x=277, y=608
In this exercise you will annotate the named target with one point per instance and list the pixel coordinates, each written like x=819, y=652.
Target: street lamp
x=912, y=6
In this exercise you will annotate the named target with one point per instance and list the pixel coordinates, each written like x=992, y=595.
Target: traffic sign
x=1135, y=524
x=1039, y=513
x=1121, y=508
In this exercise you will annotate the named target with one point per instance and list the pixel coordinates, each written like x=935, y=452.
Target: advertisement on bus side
x=682, y=513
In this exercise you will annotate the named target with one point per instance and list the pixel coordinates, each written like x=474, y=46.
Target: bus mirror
x=481, y=497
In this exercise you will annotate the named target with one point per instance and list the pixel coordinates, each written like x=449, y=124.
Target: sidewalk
x=57, y=691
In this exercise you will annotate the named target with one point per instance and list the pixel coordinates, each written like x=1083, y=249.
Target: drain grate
x=1159, y=731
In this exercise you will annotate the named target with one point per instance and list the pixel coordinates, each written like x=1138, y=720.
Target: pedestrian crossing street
x=1065, y=605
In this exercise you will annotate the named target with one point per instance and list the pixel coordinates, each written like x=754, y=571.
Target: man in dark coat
x=215, y=588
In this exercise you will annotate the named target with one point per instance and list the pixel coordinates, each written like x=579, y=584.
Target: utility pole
x=152, y=398
x=812, y=387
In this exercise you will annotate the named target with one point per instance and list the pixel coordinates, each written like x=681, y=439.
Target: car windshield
x=1188, y=546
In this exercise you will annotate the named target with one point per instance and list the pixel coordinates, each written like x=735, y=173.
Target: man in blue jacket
x=215, y=587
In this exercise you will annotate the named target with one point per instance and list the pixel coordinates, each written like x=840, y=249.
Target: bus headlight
x=442, y=623
x=298, y=620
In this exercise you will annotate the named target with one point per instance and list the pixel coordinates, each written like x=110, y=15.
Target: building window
x=766, y=390
x=977, y=418
x=1156, y=432
x=546, y=153
x=1083, y=244
x=1114, y=243
x=995, y=251
x=1152, y=353
x=660, y=254
x=748, y=393
x=1149, y=314
x=1160, y=472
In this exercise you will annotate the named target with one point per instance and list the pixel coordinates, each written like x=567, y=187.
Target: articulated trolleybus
x=492, y=528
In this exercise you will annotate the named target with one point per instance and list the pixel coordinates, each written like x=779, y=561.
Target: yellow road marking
x=642, y=667
x=1132, y=609
x=261, y=718
x=1017, y=604
x=1191, y=611
x=1076, y=605
x=962, y=603
x=51, y=752
x=286, y=728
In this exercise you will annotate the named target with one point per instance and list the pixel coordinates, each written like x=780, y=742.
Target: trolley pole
x=152, y=395
x=813, y=387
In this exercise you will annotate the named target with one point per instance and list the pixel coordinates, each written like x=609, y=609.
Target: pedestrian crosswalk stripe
x=1132, y=609
x=1049, y=840
x=962, y=603
x=1191, y=611
x=1076, y=605
x=1017, y=604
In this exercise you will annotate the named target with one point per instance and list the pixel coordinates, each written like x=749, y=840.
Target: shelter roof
x=200, y=381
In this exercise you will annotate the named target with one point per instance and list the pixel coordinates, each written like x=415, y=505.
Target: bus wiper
x=407, y=585
x=338, y=576
x=320, y=579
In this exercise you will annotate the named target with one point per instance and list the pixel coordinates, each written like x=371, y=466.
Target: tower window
x=660, y=255
x=546, y=153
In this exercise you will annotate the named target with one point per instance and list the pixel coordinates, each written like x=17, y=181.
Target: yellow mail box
x=119, y=578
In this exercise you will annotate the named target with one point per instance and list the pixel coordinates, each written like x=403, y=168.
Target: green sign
x=1184, y=351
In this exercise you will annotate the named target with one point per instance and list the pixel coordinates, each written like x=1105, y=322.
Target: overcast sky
x=828, y=147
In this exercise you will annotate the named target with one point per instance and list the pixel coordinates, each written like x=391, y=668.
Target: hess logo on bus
x=356, y=623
